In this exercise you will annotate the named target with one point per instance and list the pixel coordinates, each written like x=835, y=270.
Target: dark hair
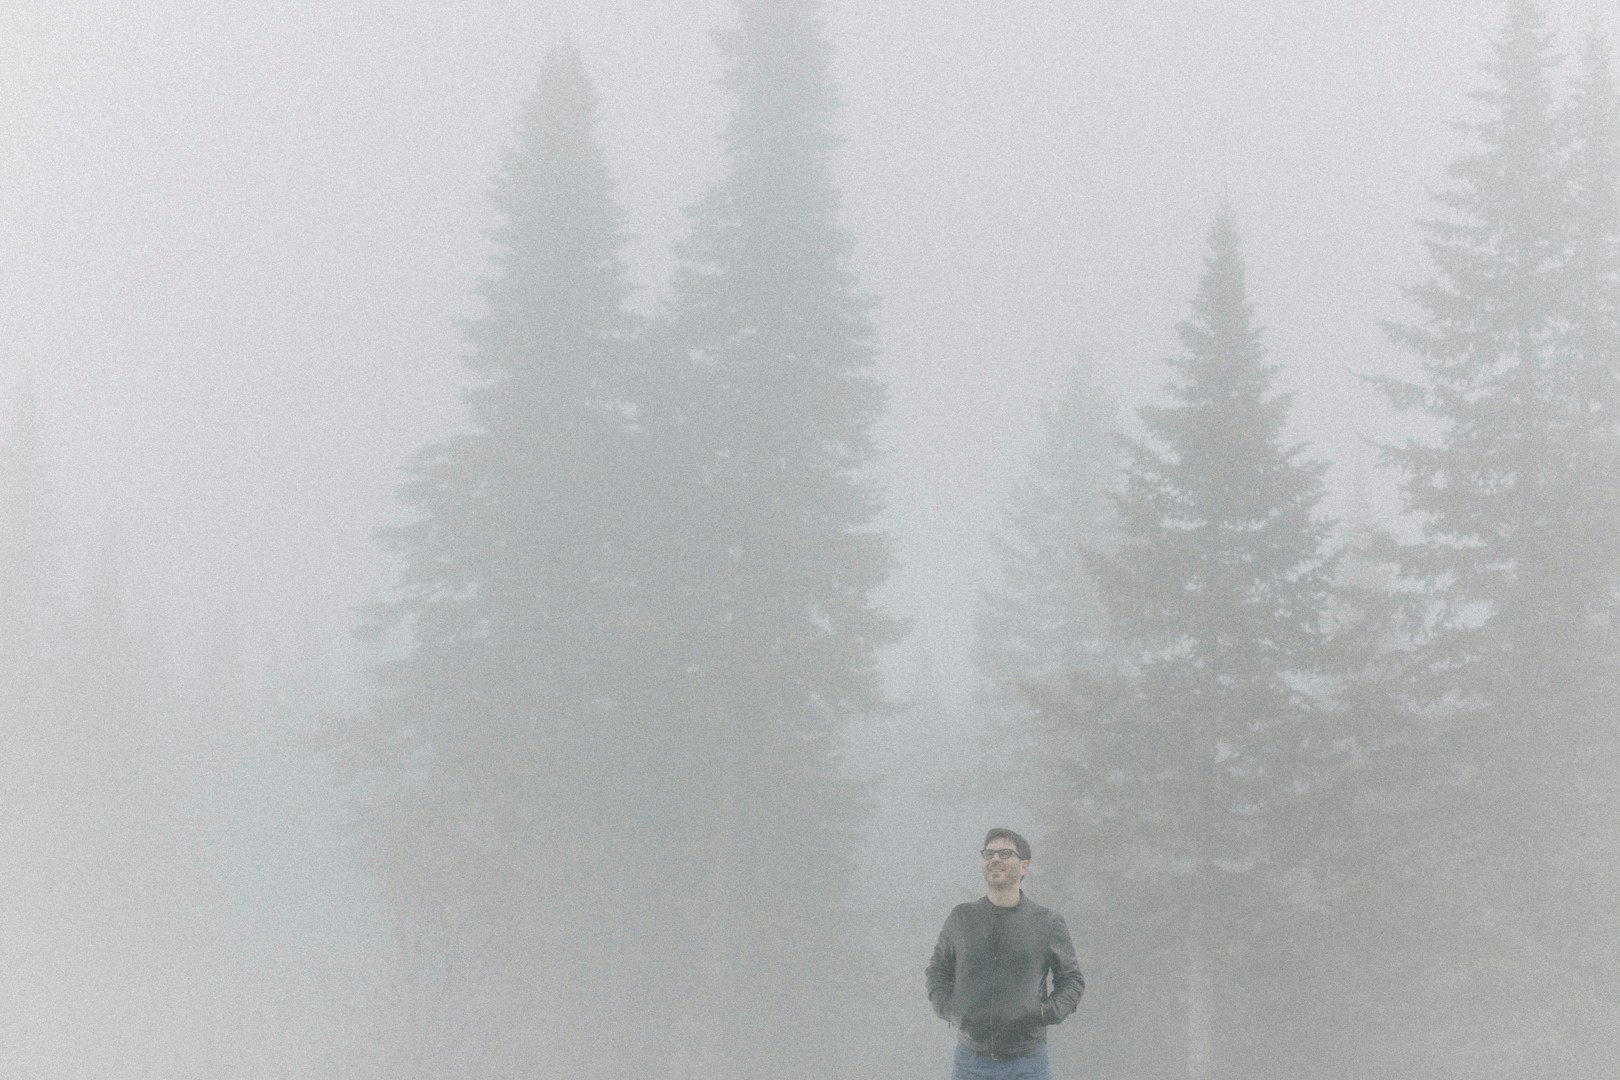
x=1017, y=841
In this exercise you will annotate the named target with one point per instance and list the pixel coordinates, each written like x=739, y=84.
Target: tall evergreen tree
x=1043, y=621
x=1488, y=348
x=1510, y=592
x=1046, y=619
x=505, y=724
x=1589, y=865
x=774, y=562
x=1188, y=768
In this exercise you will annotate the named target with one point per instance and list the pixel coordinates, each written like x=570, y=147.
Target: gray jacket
x=1004, y=975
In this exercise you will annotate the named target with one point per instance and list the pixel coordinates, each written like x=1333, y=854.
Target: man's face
x=1003, y=867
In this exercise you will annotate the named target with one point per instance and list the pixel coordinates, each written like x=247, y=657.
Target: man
x=989, y=974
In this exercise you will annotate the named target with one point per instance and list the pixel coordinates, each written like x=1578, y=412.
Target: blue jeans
x=970, y=1066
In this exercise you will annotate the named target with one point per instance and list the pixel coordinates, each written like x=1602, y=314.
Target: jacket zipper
x=995, y=972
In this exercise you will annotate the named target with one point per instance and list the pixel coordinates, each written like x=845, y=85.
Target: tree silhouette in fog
x=500, y=726
x=1044, y=618
x=1509, y=594
x=637, y=597
x=1184, y=771
x=773, y=562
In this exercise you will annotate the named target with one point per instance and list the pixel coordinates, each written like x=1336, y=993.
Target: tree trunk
x=1198, y=1002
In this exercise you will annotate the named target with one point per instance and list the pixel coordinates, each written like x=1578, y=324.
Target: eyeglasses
x=999, y=853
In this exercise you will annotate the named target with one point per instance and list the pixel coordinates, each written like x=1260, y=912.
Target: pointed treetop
x=1224, y=354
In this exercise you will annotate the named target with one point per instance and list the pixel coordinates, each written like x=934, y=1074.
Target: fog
x=245, y=246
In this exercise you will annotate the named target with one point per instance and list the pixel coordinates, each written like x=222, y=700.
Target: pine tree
x=1510, y=593
x=1589, y=864
x=1044, y=622
x=1046, y=618
x=505, y=726
x=774, y=562
x=1191, y=766
x=1488, y=350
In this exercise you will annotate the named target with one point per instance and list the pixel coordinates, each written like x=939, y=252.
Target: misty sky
x=240, y=236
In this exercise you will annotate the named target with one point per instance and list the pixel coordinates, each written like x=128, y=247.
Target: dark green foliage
x=1190, y=769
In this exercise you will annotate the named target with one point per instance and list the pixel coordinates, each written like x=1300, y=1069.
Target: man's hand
x=1026, y=1023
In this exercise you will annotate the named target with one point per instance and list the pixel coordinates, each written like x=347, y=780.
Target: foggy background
x=240, y=239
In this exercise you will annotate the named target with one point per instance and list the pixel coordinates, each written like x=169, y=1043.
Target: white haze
x=239, y=237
